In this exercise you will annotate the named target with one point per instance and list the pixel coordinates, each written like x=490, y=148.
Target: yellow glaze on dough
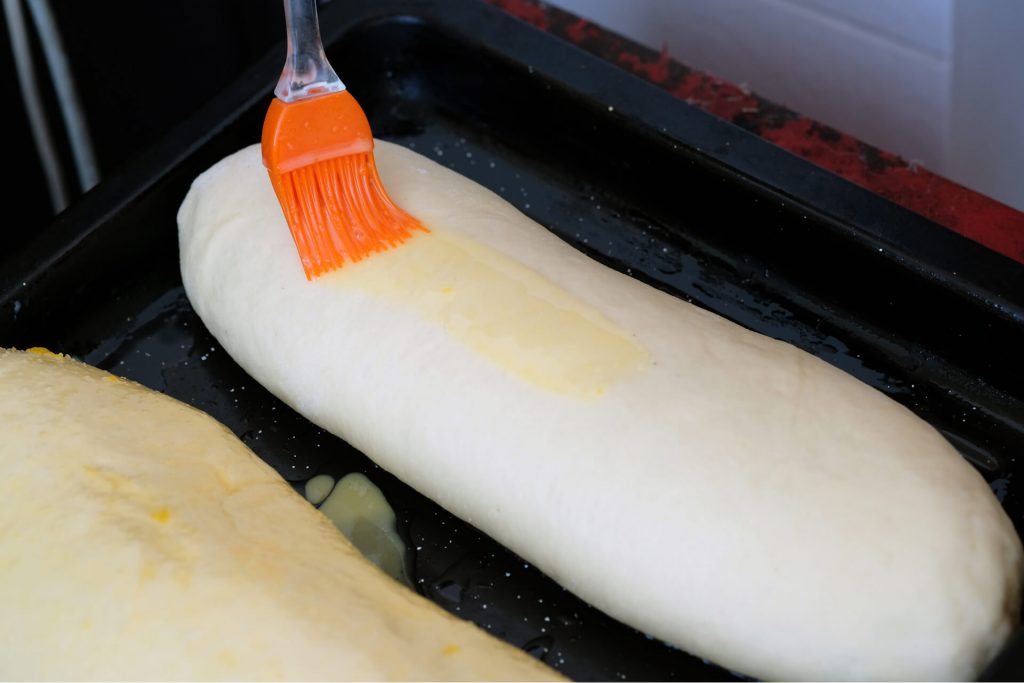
x=139, y=539
x=506, y=312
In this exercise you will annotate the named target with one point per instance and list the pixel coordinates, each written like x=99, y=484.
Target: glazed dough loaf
x=728, y=493
x=139, y=539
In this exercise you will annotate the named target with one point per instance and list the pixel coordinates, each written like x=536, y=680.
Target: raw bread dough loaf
x=720, y=490
x=139, y=539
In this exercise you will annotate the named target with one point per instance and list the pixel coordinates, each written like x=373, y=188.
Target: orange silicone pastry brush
x=318, y=149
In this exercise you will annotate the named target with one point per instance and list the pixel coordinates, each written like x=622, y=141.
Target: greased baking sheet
x=620, y=170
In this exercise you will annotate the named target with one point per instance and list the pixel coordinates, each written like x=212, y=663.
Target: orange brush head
x=319, y=153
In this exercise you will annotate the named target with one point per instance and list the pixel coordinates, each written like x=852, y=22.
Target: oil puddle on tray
x=361, y=512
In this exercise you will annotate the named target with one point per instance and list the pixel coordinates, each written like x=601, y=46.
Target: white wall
x=986, y=147
x=915, y=77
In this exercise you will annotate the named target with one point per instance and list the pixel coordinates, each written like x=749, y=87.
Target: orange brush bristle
x=319, y=154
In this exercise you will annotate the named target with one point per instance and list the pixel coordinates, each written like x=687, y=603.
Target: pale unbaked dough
x=715, y=488
x=139, y=539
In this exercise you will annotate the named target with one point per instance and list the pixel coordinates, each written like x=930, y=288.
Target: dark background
x=140, y=68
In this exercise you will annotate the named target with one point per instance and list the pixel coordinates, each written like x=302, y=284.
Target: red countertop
x=982, y=219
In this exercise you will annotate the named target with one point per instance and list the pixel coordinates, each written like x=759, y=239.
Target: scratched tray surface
x=635, y=198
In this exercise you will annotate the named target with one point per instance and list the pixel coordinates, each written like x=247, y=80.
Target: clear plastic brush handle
x=307, y=72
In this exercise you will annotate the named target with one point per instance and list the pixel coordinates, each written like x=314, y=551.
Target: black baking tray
x=621, y=170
